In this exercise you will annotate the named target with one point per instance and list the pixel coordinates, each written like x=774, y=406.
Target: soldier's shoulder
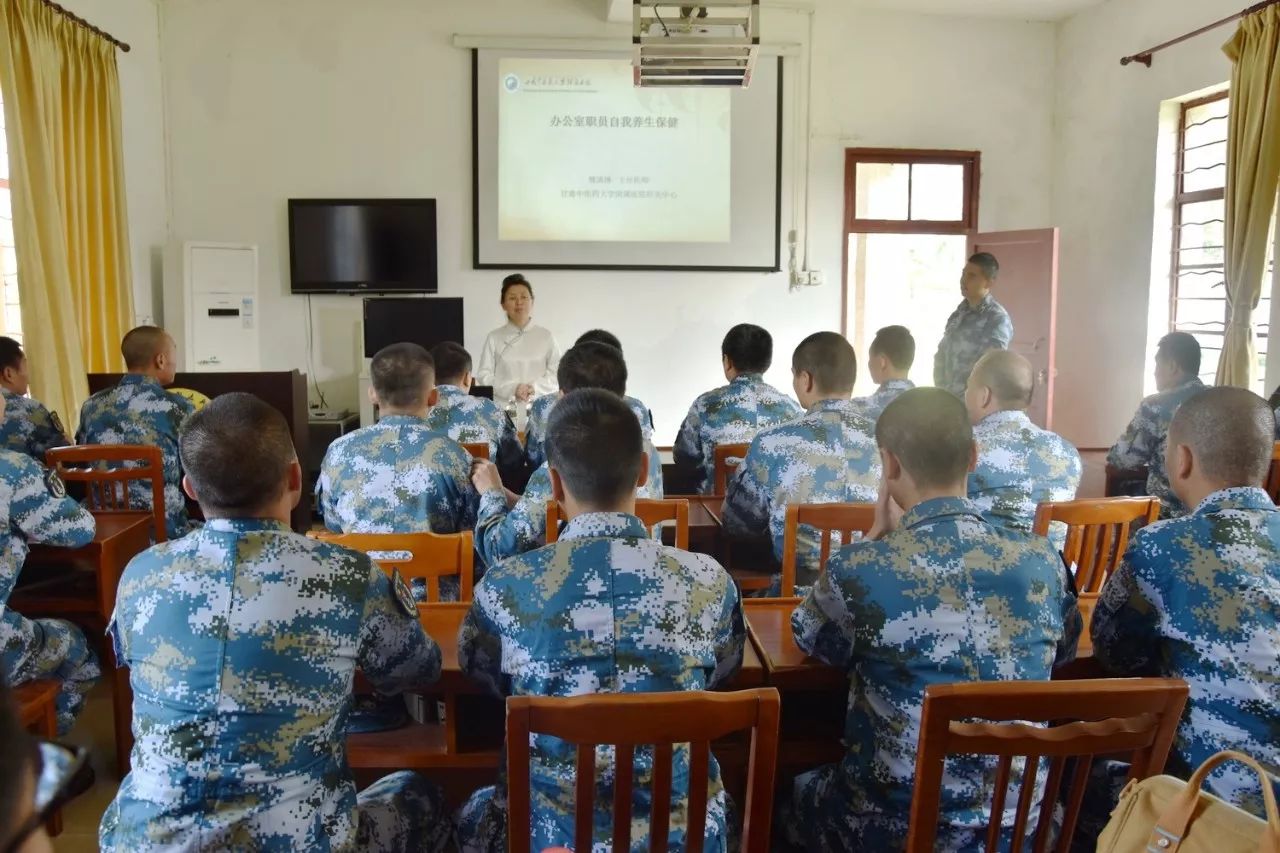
x=16, y=467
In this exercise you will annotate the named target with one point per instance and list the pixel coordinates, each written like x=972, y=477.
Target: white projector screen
x=575, y=168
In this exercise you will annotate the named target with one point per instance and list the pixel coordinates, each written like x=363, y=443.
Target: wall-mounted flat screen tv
x=362, y=245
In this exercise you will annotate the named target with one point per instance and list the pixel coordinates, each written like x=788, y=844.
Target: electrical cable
x=310, y=362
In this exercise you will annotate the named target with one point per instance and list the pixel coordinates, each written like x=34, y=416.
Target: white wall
x=325, y=97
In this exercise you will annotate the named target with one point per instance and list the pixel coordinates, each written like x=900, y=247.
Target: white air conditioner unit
x=703, y=45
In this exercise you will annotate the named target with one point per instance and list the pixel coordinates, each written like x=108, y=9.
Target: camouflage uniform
x=970, y=334
x=29, y=427
x=1198, y=598
x=503, y=532
x=871, y=407
x=603, y=610
x=140, y=411
x=1019, y=467
x=1143, y=443
x=826, y=455
x=731, y=414
x=535, y=431
x=945, y=598
x=36, y=509
x=472, y=420
x=243, y=639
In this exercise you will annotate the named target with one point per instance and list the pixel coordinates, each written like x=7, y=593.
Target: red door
x=1028, y=289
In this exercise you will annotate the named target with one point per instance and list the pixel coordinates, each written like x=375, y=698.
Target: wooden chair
x=727, y=459
x=106, y=470
x=626, y=720
x=843, y=518
x=1097, y=533
x=477, y=449
x=651, y=512
x=430, y=556
x=1273, y=476
x=38, y=714
x=1134, y=716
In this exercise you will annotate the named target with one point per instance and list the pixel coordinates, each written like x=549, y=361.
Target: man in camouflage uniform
x=826, y=455
x=1198, y=597
x=540, y=409
x=980, y=324
x=36, y=509
x=243, y=639
x=905, y=609
x=605, y=609
x=467, y=419
x=508, y=524
x=733, y=413
x=1020, y=465
x=890, y=356
x=1143, y=442
x=28, y=426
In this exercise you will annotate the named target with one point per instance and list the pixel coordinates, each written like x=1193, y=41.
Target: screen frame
x=475, y=201
x=372, y=288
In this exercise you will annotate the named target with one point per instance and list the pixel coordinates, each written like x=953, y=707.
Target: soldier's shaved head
x=402, y=376
x=237, y=451
x=1009, y=376
x=141, y=346
x=830, y=360
x=594, y=443
x=1231, y=431
x=592, y=364
x=928, y=430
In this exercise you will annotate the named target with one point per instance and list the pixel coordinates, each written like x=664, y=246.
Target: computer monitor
x=426, y=321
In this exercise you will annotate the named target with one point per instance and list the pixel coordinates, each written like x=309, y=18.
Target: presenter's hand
x=524, y=392
x=485, y=477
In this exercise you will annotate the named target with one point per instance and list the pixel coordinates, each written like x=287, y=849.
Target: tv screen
x=362, y=246
x=426, y=322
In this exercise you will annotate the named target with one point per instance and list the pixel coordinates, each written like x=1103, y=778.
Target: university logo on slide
x=511, y=83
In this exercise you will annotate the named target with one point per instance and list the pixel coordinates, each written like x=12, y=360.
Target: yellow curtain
x=61, y=92
x=1253, y=177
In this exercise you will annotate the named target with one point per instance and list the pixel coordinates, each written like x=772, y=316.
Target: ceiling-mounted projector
x=711, y=45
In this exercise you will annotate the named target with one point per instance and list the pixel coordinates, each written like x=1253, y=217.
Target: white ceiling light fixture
x=705, y=45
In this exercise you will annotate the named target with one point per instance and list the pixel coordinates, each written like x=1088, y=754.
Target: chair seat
x=417, y=746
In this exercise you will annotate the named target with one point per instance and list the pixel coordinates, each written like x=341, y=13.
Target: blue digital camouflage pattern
x=36, y=509
x=1021, y=466
x=731, y=414
x=603, y=610
x=947, y=597
x=1143, y=443
x=970, y=334
x=827, y=455
x=29, y=427
x=1198, y=598
x=139, y=411
x=535, y=431
x=871, y=407
x=243, y=639
x=475, y=420
x=503, y=531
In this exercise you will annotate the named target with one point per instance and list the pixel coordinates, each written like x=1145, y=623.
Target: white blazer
x=513, y=356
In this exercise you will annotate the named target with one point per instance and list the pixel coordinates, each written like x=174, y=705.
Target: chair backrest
x=1133, y=716
x=843, y=518
x=662, y=720
x=727, y=459
x=1273, y=476
x=477, y=449
x=107, y=470
x=651, y=512
x=1097, y=533
x=429, y=556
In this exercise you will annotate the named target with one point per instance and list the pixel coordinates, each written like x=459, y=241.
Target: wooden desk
x=785, y=665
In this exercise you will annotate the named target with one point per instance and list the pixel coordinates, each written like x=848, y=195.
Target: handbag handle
x=1173, y=824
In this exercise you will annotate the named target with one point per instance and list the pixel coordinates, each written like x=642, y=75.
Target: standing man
x=979, y=325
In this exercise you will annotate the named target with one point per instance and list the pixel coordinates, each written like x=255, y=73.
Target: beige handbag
x=1166, y=815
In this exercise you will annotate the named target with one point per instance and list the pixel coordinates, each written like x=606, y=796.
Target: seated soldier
x=508, y=524
x=37, y=509
x=1020, y=465
x=139, y=411
x=467, y=419
x=605, y=609
x=540, y=409
x=826, y=455
x=905, y=609
x=28, y=426
x=1198, y=597
x=243, y=640
x=1142, y=445
x=890, y=356
x=733, y=413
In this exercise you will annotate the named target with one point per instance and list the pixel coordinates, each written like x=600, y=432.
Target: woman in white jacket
x=519, y=359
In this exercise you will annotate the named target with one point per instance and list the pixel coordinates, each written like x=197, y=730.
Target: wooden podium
x=285, y=391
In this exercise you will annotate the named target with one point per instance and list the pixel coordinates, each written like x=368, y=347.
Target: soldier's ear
x=1183, y=462
x=557, y=485
x=890, y=467
x=189, y=488
x=644, y=470
x=973, y=452
x=294, y=484
x=433, y=397
x=373, y=396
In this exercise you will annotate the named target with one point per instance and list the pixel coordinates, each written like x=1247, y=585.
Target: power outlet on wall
x=807, y=278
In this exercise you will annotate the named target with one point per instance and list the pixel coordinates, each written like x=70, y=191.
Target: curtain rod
x=1144, y=57
x=88, y=26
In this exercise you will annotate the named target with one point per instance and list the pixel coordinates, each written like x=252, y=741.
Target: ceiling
x=1029, y=10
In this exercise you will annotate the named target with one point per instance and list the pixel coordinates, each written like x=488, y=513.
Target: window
x=11, y=316
x=1198, y=299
